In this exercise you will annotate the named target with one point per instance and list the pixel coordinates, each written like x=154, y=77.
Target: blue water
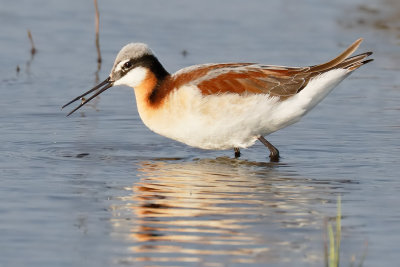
x=100, y=189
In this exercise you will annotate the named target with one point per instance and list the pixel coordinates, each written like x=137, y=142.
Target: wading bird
x=225, y=105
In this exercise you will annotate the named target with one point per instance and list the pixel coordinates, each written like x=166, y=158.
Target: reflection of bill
x=186, y=211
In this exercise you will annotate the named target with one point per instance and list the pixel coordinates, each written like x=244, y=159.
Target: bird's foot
x=237, y=152
x=274, y=156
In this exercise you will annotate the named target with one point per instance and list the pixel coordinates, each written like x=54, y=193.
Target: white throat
x=133, y=78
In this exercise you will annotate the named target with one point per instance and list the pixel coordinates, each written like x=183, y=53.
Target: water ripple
x=195, y=212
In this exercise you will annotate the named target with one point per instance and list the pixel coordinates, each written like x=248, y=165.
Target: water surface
x=99, y=189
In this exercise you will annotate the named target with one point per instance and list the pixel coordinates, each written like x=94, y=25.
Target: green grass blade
x=331, y=246
x=338, y=229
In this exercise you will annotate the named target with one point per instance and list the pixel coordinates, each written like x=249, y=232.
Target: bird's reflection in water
x=218, y=212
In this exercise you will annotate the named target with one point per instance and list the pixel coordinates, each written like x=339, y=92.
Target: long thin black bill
x=88, y=92
x=106, y=83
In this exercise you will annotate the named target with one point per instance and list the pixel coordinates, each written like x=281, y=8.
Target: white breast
x=225, y=121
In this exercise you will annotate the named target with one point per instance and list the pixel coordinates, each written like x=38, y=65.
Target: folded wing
x=275, y=81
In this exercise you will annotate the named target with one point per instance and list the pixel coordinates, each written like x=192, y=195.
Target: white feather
x=230, y=120
x=133, y=78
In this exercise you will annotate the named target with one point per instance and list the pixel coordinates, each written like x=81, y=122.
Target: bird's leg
x=274, y=152
x=237, y=152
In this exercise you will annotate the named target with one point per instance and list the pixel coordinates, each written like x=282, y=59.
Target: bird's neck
x=159, y=76
x=151, y=92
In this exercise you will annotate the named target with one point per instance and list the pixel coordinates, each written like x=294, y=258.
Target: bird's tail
x=343, y=61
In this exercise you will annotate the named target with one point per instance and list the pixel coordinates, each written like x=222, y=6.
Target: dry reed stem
x=97, y=21
x=33, y=49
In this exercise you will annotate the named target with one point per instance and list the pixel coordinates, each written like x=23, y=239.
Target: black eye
x=127, y=65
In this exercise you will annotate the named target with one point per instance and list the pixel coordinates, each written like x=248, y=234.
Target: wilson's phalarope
x=223, y=106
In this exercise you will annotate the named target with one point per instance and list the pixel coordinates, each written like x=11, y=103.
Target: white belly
x=231, y=120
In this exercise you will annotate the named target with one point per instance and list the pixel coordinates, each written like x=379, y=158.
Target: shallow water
x=99, y=189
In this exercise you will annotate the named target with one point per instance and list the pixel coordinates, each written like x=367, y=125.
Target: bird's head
x=134, y=64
